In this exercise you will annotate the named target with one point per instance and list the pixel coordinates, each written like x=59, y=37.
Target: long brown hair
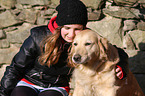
x=51, y=48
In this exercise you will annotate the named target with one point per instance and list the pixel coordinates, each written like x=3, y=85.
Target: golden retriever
x=94, y=59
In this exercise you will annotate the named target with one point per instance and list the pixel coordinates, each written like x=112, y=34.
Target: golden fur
x=95, y=60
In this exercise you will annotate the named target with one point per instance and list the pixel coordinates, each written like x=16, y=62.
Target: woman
x=40, y=67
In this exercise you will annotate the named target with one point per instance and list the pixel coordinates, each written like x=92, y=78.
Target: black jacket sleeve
x=21, y=63
x=123, y=63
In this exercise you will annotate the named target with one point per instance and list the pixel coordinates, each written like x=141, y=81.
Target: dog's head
x=89, y=47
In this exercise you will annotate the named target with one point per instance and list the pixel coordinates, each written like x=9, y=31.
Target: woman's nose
x=72, y=33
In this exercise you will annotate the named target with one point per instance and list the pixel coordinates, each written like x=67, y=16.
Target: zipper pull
x=40, y=75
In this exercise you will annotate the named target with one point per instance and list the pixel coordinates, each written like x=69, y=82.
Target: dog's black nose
x=77, y=57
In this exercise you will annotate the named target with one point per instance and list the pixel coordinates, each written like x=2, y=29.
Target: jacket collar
x=52, y=25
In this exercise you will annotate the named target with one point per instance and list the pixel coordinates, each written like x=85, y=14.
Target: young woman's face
x=68, y=32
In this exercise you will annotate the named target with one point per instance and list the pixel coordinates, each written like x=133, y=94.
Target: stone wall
x=122, y=22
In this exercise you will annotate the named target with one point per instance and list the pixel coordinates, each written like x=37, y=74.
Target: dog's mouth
x=78, y=59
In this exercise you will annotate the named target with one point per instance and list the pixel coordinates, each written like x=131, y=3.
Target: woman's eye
x=78, y=29
x=67, y=28
x=87, y=44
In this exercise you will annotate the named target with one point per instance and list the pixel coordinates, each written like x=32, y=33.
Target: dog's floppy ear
x=112, y=53
x=107, y=51
x=103, y=46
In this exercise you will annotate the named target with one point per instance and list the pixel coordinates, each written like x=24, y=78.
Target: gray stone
x=8, y=4
x=40, y=21
x=89, y=3
x=108, y=3
x=52, y=6
x=108, y=28
x=141, y=26
x=39, y=7
x=128, y=43
x=19, y=6
x=17, y=45
x=55, y=14
x=129, y=25
x=92, y=3
x=138, y=37
x=2, y=70
x=4, y=43
x=9, y=29
x=28, y=15
x=141, y=1
x=16, y=11
x=41, y=13
x=27, y=6
x=18, y=36
x=56, y=2
x=122, y=12
x=34, y=2
x=2, y=9
x=7, y=54
x=126, y=2
x=89, y=10
x=49, y=11
x=2, y=34
x=94, y=15
x=7, y=19
x=131, y=53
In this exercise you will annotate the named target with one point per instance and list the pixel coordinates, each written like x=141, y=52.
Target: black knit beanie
x=71, y=12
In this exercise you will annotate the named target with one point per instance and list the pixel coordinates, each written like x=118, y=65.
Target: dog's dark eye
x=87, y=44
x=75, y=44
